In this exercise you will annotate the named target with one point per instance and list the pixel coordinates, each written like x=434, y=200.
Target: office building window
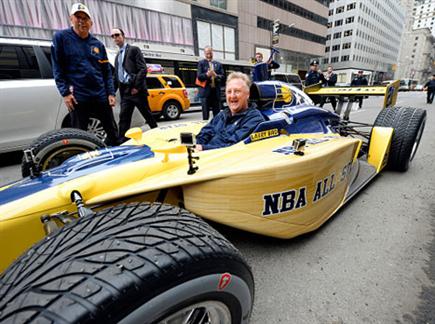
x=345, y=58
x=339, y=22
x=328, y=37
x=348, y=32
x=339, y=10
x=351, y=6
x=331, y=12
x=349, y=20
x=222, y=4
x=346, y=45
x=334, y=59
x=327, y=49
x=337, y=35
x=221, y=38
x=336, y=47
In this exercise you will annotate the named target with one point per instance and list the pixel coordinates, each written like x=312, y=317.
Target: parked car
x=290, y=78
x=31, y=104
x=168, y=96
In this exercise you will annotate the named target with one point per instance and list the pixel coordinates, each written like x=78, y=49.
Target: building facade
x=302, y=36
x=417, y=52
x=364, y=35
x=417, y=57
x=424, y=15
x=236, y=29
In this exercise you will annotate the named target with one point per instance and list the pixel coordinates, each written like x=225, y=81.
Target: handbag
x=200, y=83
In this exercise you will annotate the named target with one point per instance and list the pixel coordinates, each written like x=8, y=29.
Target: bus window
x=187, y=73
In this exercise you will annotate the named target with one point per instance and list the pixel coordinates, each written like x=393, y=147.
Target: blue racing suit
x=225, y=130
x=81, y=67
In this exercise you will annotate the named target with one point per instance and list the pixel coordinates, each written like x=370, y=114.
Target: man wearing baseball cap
x=313, y=77
x=83, y=74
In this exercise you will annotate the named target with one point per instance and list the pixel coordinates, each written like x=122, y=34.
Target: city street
x=373, y=262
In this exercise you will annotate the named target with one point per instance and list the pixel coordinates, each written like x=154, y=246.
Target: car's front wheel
x=172, y=110
x=136, y=263
x=408, y=124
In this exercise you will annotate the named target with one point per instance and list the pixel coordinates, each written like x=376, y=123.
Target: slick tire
x=53, y=148
x=171, y=110
x=408, y=124
x=135, y=263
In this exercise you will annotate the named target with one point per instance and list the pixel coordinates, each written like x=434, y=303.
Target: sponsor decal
x=264, y=134
x=292, y=199
x=89, y=155
x=281, y=202
x=95, y=50
x=224, y=281
x=289, y=149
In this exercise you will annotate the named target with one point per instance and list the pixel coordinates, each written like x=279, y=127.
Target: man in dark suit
x=130, y=78
x=212, y=73
x=358, y=81
x=330, y=81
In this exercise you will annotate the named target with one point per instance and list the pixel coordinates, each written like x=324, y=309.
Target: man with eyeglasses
x=83, y=74
x=130, y=79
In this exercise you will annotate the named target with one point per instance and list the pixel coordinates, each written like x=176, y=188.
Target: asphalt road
x=373, y=262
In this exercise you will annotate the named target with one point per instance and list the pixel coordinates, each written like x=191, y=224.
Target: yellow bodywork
x=389, y=92
x=380, y=141
x=256, y=187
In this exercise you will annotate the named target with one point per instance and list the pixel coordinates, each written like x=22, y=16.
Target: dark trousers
x=332, y=100
x=213, y=102
x=430, y=96
x=100, y=110
x=128, y=103
x=359, y=99
x=316, y=99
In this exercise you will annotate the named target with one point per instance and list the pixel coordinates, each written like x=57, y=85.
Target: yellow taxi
x=168, y=96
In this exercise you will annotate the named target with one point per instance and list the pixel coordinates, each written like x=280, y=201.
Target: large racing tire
x=53, y=148
x=136, y=263
x=408, y=124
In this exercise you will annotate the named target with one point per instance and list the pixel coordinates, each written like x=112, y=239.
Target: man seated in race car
x=234, y=123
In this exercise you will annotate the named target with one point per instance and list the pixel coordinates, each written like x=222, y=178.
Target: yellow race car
x=110, y=234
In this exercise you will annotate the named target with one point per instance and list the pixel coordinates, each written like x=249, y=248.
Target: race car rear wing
x=389, y=92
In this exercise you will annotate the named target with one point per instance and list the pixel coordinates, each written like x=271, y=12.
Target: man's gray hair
x=241, y=76
x=208, y=46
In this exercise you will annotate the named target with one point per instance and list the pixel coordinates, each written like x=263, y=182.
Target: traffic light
x=276, y=27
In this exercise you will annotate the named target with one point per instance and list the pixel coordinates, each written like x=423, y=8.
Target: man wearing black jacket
x=330, y=81
x=359, y=80
x=130, y=78
x=430, y=88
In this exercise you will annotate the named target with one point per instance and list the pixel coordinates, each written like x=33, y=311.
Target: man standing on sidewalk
x=130, y=78
x=83, y=75
x=212, y=73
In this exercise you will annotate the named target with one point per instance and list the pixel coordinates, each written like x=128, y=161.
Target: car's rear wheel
x=53, y=148
x=408, y=124
x=95, y=126
x=171, y=110
x=136, y=263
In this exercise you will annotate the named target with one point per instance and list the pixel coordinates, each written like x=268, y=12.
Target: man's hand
x=198, y=148
x=425, y=89
x=211, y=73
x=134, y=91
x=70, y=101
x=112, y=100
